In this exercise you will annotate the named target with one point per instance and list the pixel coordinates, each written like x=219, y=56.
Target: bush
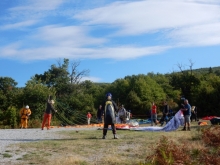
x=169, y=153
x=34, y=123
x=10, y=117
x=211, y=136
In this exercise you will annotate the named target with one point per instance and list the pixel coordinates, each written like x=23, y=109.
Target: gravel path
x=8, y=137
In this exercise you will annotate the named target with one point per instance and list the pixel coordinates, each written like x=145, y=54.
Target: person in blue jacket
x=109, y=109
x=187, y=113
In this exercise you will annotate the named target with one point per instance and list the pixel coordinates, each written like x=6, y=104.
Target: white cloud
x=145, y=16
x=42, y=53
x=202, y=35
x=180, y=23
x=18, y=25
x=39, y=5
x=68, y=36
x=186, y=22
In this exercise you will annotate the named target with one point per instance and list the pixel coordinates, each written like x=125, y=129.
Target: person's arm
x=115, y=106
x=52, y=107
x=183, y=107
x=29, y=112
x=48, y=99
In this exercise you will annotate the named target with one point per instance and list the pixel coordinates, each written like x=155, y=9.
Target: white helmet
x=27, y=107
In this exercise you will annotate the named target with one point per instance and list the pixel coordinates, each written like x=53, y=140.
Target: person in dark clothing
x=48, y=113
x=193, y=113
x=109, y=108
x=165, y=114
x=99, y=114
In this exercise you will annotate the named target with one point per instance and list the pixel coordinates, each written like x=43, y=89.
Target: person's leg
x=155, y=119
x=162, y=120
x=44, y=121
x=188, y=122
x=121, y=119
x=152, y=120
x=184, y=128
x=22, y=122
x=25, y=123
x=188, y=126
x=114, y=131
x=166, y=119
x=124, y=119
x=98, y=118
x=105, y=129
x=49, y=120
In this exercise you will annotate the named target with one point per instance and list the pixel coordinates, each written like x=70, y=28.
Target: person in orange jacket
x=25, y=113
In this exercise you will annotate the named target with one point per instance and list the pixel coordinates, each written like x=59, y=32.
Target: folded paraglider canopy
x=215, y=121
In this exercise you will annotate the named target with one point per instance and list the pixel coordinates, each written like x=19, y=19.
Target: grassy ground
x=87, y=147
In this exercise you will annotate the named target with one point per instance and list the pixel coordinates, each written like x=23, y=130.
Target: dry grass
x=132, y=148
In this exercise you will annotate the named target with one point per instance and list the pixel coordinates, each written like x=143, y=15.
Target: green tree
x=10, y=117
x=207, y=97
x=137, y=92
x=35, y=95
x=7, y=92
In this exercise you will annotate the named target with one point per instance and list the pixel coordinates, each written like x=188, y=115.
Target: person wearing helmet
x=25, y=113
x=48, y=113
x=109, y=108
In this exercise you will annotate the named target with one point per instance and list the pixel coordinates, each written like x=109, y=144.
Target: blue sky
x=111, y=38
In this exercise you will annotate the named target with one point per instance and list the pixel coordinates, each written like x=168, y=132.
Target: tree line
x=63, y=81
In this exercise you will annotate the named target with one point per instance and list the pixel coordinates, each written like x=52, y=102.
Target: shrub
x=10, y=117
x=166, y=152
x=211, y=136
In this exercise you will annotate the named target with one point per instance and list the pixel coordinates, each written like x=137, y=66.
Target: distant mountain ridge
x=215, y=70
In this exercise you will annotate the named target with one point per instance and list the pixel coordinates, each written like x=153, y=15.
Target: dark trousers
x=105, y=129
x=164, y=119
x=193, y=116
x=122, y=118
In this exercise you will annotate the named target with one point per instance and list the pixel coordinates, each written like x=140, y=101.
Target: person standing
x=89, y=116
x=186, y=113
x=122, y=113
x=193, y=113
x=48, y=113
x=109, y=108
x=129, y=115
x=153, y=114
x=99, y=114
x=25, y=113
x=165, y=113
